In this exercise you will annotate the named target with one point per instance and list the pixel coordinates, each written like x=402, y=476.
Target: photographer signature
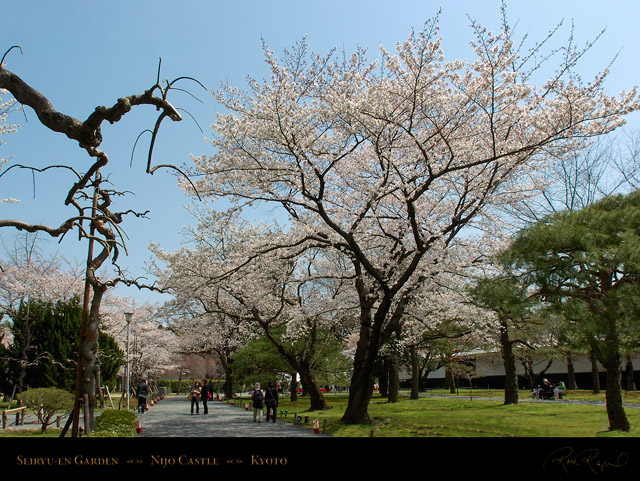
x=590, y=459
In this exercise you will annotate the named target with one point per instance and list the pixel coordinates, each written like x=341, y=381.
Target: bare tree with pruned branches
x=91, y=196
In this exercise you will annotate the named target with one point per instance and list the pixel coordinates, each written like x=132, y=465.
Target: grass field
x=477, y=414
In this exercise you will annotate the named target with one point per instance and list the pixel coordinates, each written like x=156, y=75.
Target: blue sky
x=82, y=54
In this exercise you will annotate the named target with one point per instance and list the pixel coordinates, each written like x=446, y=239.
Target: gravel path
x=171, y=417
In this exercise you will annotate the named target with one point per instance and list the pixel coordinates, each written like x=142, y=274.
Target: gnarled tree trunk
x=88, y=134
x=509, y=361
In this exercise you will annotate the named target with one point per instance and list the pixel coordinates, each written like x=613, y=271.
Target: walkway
x=171, y=417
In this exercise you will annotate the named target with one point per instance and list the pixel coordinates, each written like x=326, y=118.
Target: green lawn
x=479, y=413
x=52, y=432
x=484, y=416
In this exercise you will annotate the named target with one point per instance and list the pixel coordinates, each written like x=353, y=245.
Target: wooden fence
x=20, y=411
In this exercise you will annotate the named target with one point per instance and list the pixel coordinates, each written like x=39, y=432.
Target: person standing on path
x=142, y=390
x=271, y=400
x=204, y=396
x=211, y=389
x=195, y=397
x=258, y=402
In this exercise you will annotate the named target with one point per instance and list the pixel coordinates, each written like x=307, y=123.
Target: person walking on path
x=230, y=423
x=211, y=389
x=271, y=400
x=204, y=396
x=257, y=396
x=142, y=390
x=195, y=397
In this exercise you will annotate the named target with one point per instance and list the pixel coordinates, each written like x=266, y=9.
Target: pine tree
x=588, y=262
x=45, y=346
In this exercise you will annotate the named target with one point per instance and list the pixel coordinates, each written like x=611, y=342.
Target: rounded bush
x=114, y=423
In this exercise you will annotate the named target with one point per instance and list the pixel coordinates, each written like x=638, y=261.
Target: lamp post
x=127, y=316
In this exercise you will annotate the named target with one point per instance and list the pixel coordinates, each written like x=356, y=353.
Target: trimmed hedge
x=172, y=385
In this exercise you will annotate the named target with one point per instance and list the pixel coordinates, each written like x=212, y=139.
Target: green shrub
x=115, y=424
x=169, y=384
x=173, y=385
x=46, y=402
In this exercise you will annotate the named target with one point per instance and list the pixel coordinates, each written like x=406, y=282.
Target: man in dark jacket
x=271, y=400
x=210, y=388
x=142, y=389
x=204, y=396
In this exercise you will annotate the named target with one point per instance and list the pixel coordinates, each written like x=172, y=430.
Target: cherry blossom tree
x=26, y=272
x=441, y=313
x=5, y=128
x=295, y=300
x=202, y=326
x=152, y=344
x=26, y=277
x=389, y=162
x=204, y=333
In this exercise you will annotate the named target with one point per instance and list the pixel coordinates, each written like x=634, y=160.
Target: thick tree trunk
x=571, y=374
x=608, y=353
x=369, y=344
x=422, y=384
x=394, y=380
x=613, y=394
x=509, y=360
x=88, y=351
x=394, y=371
x=450, y=381
x=629, y=382
x=294, y=386
x=360, y=393
x=227, y=388
x=595, y=374
x=362, y=381
x=383, y=381
x=415, y=374
x=310, y=384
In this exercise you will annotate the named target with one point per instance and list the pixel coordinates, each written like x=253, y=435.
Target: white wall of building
x=492, y=365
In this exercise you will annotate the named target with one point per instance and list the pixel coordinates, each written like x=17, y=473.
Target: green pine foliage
x=259, y=361
x=111, y=359
x=587, y=263
x=51, y=340
x=55, y=332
